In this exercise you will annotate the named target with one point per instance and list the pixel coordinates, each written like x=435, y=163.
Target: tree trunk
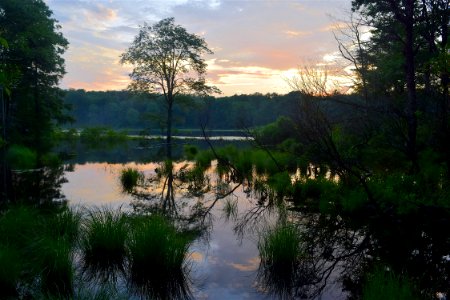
x=411, y=107
x=169, y=130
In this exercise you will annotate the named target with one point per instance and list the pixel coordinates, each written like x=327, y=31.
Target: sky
x=257, y=44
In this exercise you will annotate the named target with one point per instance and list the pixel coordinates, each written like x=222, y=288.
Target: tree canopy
x=168, y=60
x=32, y=66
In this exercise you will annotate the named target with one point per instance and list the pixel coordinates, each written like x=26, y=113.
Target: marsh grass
x=382, y=284
x=130, y=178
x=64, y=224
x=281, y=246
x=54, y=256
x=103, y=241
x=158, y=259
x=39, y=246
x=281, y=255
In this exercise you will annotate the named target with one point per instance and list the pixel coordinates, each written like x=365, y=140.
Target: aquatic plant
x=54, y=256
x=129, y=178
x=158, y=258
x=64, y=224
x=103, y=241
x=281, y=246
x=281, y=255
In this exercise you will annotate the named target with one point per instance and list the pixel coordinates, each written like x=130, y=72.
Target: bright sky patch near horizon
x=257, y=44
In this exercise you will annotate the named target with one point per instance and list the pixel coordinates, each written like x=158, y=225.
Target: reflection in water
x=40, y=186
x=336, y=251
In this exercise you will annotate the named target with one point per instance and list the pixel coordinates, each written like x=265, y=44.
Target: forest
x=341, y=196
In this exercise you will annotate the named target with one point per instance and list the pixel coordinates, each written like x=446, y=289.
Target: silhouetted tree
x=168, y=60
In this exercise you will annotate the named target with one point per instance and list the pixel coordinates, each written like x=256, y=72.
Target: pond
x=237, y=223
x=225, y=264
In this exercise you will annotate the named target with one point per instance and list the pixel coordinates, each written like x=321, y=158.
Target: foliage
x=386, y=285
x=167, y=60
x=95, y=135
x=34, y=57
x=190, y=151
x=130, y=178
x=230, y=209
x=281, y=247
x=158, y=258
x=105, y=233
x=55, y=258
x=42, y=250
x=21, y=157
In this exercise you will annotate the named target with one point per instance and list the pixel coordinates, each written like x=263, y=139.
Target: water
x=225, y=261
x=223, y=266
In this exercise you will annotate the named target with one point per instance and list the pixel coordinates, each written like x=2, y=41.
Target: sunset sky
x=256, y=44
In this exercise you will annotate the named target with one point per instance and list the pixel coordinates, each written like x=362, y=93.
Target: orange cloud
x=251, y=265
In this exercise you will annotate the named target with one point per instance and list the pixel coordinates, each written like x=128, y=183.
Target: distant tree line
x=122, y=109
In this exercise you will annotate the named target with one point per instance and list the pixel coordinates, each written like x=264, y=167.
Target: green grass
x=55, y=258
x=64, y=224
x=104, y=237
x=129, y=179
x=280, y=247
x=158, y=258
x=281, y=255
x=386, y=285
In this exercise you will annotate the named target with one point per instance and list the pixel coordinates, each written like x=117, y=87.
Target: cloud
x=254, y=41
x=251, y=265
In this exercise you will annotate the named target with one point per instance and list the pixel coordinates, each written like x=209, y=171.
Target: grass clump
x=158, y=258
x=281, y=257
x=104, y=237
x=55, y=258
x=64, y=224
x=129, y=179
x=281, y=247
x=382, y=284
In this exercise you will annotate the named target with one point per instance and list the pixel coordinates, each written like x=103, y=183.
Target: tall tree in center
x=168, y=60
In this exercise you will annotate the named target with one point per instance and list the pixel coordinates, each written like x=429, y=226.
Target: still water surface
x=224, y=267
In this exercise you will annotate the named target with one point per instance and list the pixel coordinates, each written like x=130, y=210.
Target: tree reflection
x=40, y=186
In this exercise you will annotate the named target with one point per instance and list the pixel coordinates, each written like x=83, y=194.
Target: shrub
x=190, y=151
x=21, y=157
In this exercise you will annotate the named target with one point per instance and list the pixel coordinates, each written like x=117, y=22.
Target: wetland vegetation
x=333, y=196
